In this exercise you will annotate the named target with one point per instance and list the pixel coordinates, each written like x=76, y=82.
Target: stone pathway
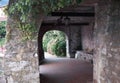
x=64, y=70
x=47, y=55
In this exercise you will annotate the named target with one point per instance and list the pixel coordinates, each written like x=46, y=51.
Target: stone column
x=21, y=61
x=87, y=37
x=75, y=42
x=107, y=42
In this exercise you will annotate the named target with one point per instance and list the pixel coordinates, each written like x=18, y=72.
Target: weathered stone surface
x=107, y=42
x=21, y=66
x=2, y=79
x=74, y=39
x=81, y=55
x=87, y=37
x=80, y=38
x=1, y=68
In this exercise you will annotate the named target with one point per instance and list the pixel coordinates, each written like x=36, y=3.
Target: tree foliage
x=54, y=43
x=2, y=29
x=2, y=32
x=60, y=48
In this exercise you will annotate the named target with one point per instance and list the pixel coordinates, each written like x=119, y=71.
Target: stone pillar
x=74, y=39
x=87, y=37
x=68, y=41
x=21, y=61
x=67, y=47
x=107, y=42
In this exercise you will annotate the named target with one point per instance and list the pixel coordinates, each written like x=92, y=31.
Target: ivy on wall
x=24, y=12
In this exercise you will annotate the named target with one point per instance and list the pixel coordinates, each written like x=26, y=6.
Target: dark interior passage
x=66, y=71
x=80, y=38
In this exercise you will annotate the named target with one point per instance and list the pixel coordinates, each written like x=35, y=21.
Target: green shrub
x=50, y=46
x=2, y=29
x=60, y=48
x=45, y=42
x=54, y=43
x=2, y=41
x=2, y=32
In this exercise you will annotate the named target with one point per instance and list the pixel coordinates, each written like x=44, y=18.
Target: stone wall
x=80, y=38
x=107, y=42
x=1, y=61
x=87, y=37
x=83, y=56
x=1, y=66
x=74, y=39
x=21, y=63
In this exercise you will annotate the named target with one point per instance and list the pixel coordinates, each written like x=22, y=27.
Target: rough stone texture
x=1, y=66
x=83, y=56
x=107, y=42
x=2, y=77
x=87, y=37
x=79, y=38
x=74, y=38
x=21, y=66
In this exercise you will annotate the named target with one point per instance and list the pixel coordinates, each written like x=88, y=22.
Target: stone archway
x=41, y=33
x=74, y=34
x=55, y=39
x=20, y=68
x=18, y=52
x=75, y=40
x=73, y=30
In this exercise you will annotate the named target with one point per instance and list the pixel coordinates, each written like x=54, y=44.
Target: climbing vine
x=24, y=12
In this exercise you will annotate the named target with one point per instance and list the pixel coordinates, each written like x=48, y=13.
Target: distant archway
x=54, y=44
x=43, y=29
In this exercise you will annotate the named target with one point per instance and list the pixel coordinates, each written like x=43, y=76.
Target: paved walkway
x=47, y=55
x=61, y=70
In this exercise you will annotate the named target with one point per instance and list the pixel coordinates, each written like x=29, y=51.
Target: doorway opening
x=79, y=29
x=54, y=44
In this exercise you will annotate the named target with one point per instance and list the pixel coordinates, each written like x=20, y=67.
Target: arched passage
x=77, y=36
x=74, y=31
x=60, y=69
x=43, y=29
x=54, y=44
